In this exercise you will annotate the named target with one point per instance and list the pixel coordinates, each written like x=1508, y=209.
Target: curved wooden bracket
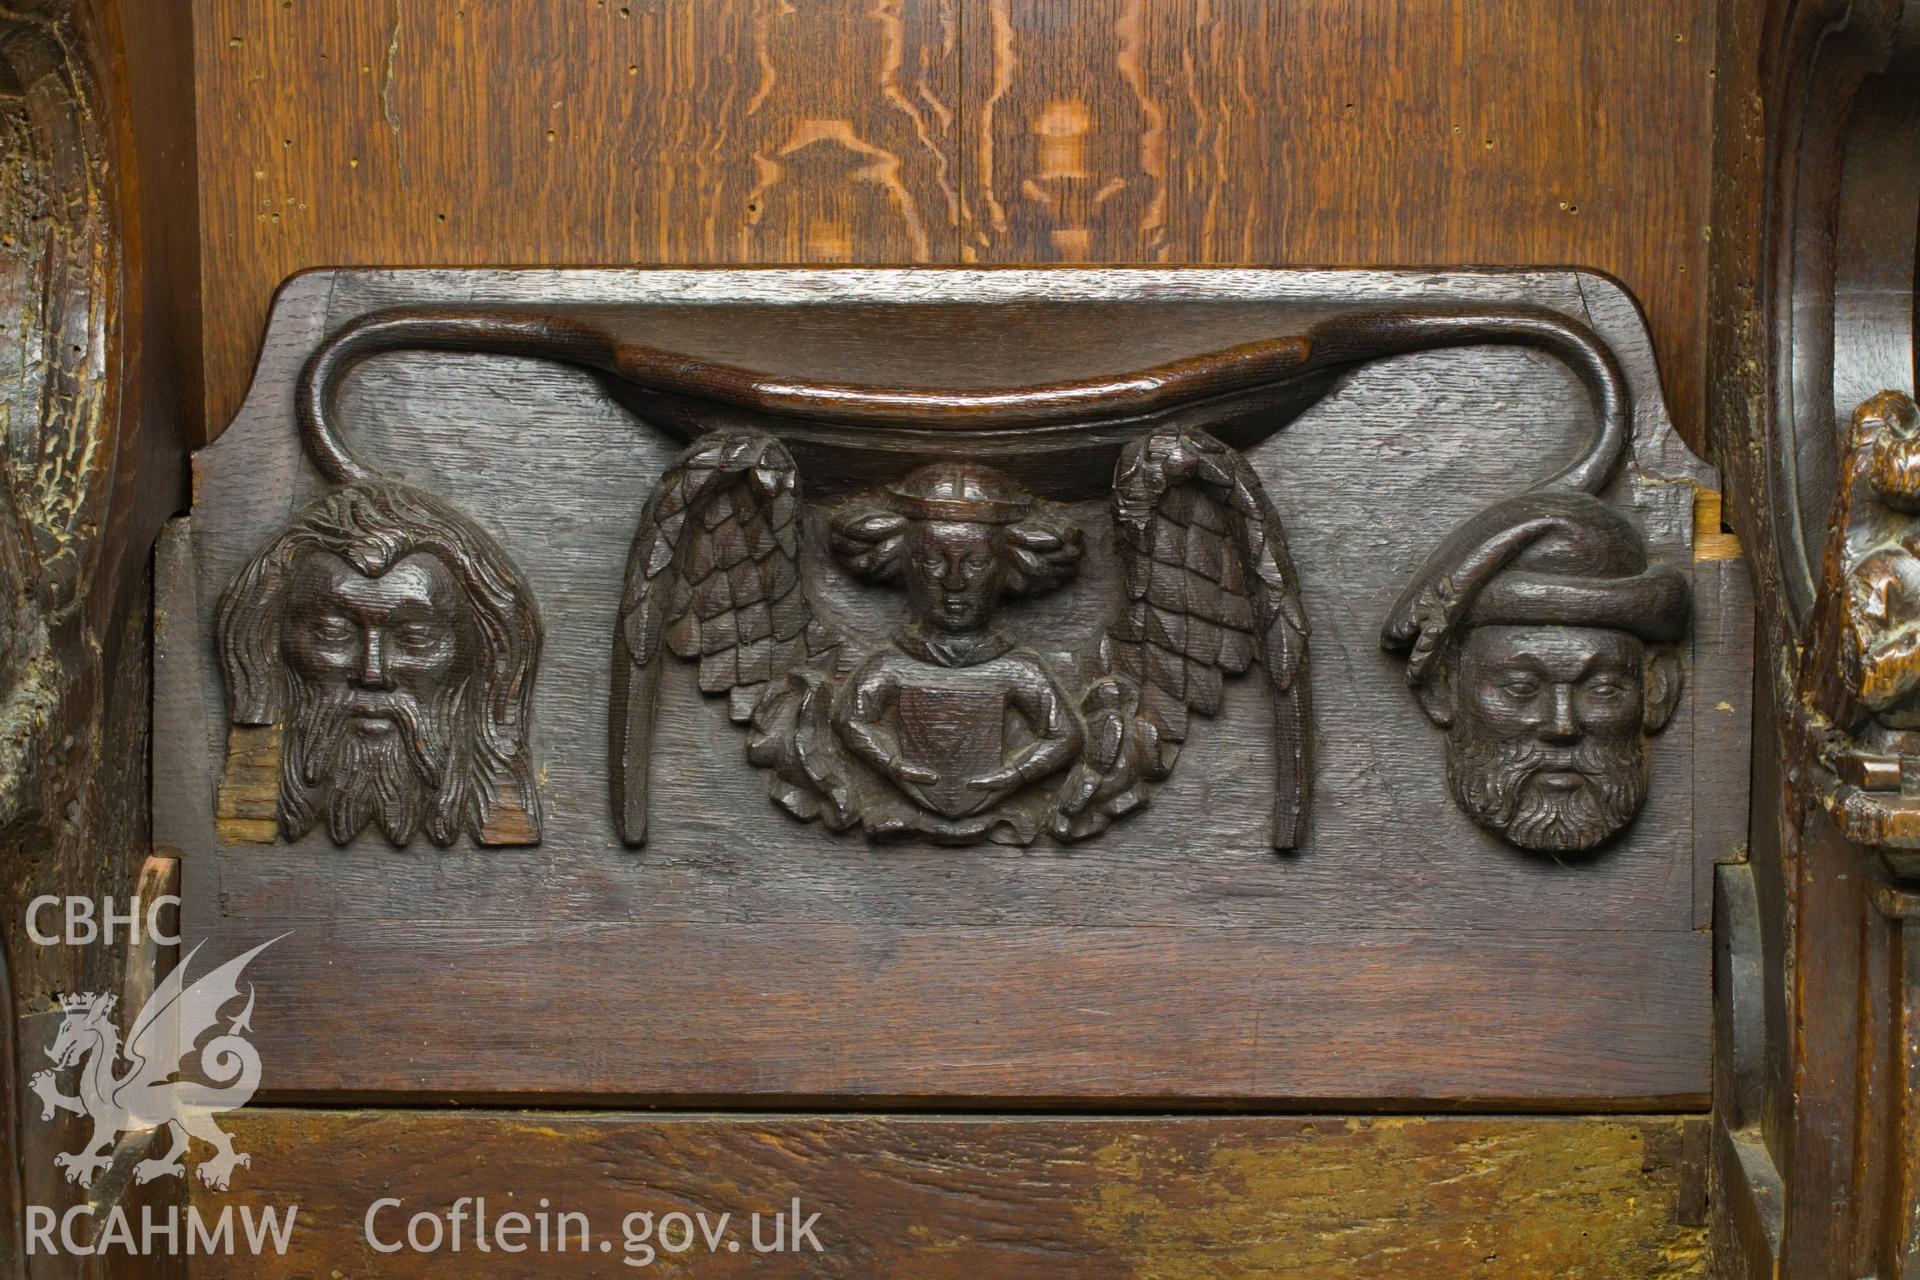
x=1241, y=394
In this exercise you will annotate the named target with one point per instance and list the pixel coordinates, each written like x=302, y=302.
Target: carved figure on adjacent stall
x=394, y=644
x=1862, y=676
x=951, y=728
x=1542, y=639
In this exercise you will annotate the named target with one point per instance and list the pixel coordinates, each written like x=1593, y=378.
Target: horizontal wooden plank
x=781, y=1011
x=1329, y=1198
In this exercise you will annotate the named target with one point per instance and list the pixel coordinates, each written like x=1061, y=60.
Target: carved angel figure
x=952, y=729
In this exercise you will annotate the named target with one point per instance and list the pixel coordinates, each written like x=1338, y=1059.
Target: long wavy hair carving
x=395, y=644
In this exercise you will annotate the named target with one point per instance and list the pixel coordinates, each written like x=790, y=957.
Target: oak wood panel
x=961, y=1015
x=1172, y=1199
x=742, y=954
x=1201, y=131
x=589, y=131
x=1435, y=131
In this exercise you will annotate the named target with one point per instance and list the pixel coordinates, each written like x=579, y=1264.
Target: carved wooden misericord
x=950, y=726
x=952, y=558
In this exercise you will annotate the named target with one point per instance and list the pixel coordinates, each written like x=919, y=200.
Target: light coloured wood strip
x=1043, y=1198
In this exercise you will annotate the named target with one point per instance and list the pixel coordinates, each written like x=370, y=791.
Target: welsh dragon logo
x=144, y=1096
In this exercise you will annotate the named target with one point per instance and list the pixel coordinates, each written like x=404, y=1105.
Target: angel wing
x=177, y=1015
x=1211, y=591
x=714, y=575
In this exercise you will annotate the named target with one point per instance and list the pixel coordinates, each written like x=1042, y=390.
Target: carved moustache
x=322, y=722
x=1497, y=782
x=357, y=778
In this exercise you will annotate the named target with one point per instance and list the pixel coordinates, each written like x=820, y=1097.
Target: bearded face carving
x=1547, y=730
x=1540, y=638
x=395, y=644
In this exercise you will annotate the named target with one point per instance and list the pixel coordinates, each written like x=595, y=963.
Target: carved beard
x=393, y=779
x=1493, y=780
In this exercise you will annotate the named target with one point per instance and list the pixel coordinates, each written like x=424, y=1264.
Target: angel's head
x=961, y=536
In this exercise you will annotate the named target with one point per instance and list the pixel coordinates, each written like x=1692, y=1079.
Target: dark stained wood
x=714, y=131
x=97, y=273
x=1333, y=1197
x=717, y=571
x=1816, y=194
x=996, y=131
x=1088, y=1017
x=1174, y=956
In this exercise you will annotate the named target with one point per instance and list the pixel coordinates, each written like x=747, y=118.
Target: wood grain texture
x=591, y=131
x=1175, y=958
x=1439, y=131
x=1168, y=1199
x=1812, y=310
x=97, y=284
x=993, y=131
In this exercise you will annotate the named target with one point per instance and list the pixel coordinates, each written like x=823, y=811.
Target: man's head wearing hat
x=1541, y=639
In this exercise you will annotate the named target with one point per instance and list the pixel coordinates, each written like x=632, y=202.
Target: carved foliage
x=1860, y=683
x=57, y=253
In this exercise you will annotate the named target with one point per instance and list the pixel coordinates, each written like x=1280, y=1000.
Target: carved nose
x=373, y=663
x=1561, y=726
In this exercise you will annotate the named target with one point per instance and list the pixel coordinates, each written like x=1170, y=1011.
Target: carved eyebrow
x=1593, y=665
x=410, y=612
x=412, y=604
x=1524, y=664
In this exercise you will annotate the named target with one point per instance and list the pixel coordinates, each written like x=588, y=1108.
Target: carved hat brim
x=1651, y=605
x=1544, y=558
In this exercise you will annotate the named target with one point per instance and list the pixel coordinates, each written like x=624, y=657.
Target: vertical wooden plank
x=586, y=132
x=1721, y=688
x=1349, y=132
